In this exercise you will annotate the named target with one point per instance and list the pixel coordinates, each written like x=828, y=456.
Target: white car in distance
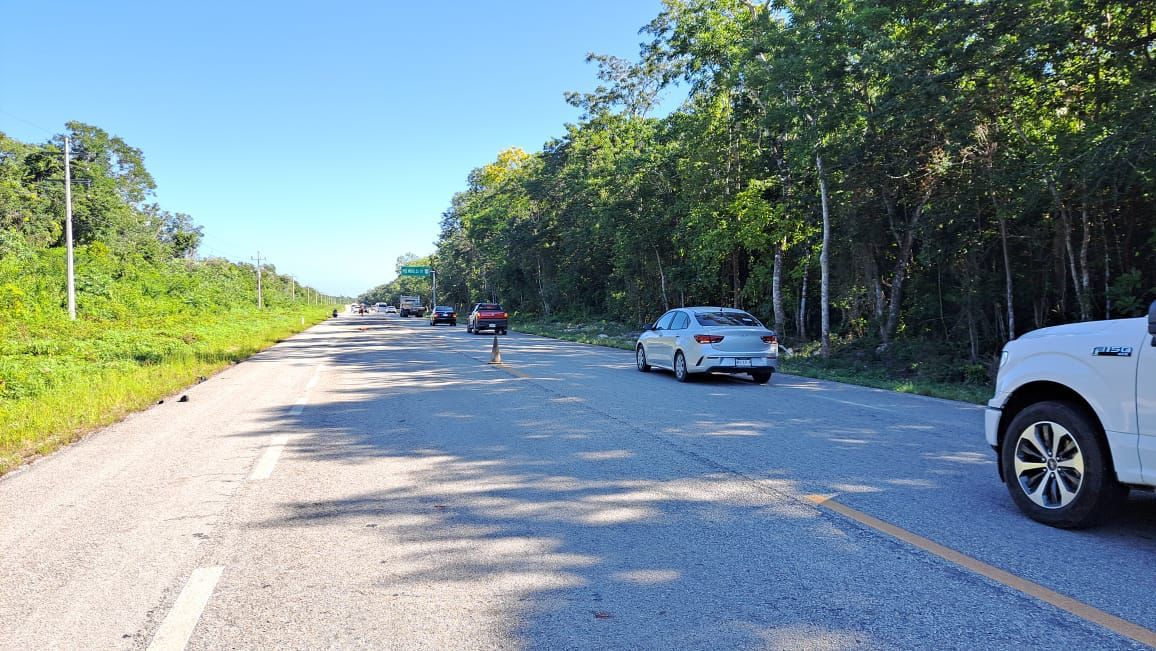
x=698, y=340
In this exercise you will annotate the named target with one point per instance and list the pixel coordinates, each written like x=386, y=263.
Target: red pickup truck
x=487, y=315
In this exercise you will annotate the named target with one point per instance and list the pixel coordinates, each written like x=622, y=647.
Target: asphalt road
x=375, y=483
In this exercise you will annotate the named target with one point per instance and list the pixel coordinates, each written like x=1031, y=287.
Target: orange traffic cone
x=495, y=353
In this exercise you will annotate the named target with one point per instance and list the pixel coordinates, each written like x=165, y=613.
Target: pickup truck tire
x=1056, y=468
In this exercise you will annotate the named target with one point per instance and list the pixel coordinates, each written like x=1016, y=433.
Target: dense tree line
x=133, y=257
x=931, y=170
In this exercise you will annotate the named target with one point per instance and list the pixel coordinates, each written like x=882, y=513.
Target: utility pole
x=433, y=283
x=292, y=289
x=68, y=231
x=260, y=298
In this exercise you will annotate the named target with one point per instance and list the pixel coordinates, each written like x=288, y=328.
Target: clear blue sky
x=328, y=135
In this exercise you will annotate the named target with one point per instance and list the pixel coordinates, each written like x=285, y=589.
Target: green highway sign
x=415, y=271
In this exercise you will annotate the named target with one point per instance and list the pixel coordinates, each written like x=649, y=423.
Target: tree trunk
x=542, y=289
x=1066, y=224
x=662, y=281
x=899, y=275
x=1007, y=270
x=1107, y=274
x=824, y=276
x=872, y=269
x=802, y=317
x=1085, y=279
x=777, y=289
x=736, y=301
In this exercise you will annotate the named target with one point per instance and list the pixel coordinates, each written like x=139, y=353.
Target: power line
x=29, y=123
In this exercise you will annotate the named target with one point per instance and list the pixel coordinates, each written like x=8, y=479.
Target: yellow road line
x=1067, y=604
x=513, y=371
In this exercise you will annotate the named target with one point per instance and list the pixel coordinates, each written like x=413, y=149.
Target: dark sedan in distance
x=443, y=314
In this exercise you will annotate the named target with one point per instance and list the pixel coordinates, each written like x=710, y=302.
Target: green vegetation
x=152, y=318
x=595, y=331
x=901, y=177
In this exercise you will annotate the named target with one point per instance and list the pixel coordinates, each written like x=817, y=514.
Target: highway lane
x=373, y=483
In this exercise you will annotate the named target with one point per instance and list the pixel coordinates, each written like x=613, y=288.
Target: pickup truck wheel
x=640, y=359
x=1056, y=467
x=680, y=372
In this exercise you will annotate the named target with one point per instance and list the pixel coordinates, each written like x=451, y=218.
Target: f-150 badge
x=1112, y=351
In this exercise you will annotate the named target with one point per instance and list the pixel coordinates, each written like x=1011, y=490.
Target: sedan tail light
x=770, y=339
x=708, y=339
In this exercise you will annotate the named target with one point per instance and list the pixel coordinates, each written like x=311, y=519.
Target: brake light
x=708, y=339
x=501, y=315
x=770, y=339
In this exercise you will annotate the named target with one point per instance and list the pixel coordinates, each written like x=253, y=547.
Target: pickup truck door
x=1146, y=408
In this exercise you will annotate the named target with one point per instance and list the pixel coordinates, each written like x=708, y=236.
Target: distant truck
x=410, y=306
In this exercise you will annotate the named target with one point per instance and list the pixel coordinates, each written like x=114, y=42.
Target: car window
x=664, y=322
x=727, y=319
x=488, y=306
x=444, y=308
x=681, y=322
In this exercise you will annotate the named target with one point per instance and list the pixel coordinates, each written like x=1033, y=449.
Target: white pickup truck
x=1073, y=419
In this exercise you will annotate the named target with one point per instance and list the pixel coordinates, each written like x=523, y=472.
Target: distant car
x=443, y=314
x=708, y=340
x=485, y=316
x=389, y=309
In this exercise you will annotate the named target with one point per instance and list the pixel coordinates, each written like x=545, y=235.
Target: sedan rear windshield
x=443, y=308
x=727, y=319
x=489, y=307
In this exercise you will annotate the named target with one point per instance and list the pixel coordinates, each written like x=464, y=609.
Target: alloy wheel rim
x=680, y=366
x=1049, y=465
x=640, y=357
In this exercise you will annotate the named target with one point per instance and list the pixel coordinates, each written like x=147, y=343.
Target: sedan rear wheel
x=640, y=359
x=680, y=372
x=1056, y=467
x=762, y=377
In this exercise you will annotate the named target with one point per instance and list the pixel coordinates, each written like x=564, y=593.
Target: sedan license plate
x=742, y=362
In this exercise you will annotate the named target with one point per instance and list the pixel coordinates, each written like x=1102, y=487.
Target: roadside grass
x=598, y=332
x=60, y=380
x=906, y=367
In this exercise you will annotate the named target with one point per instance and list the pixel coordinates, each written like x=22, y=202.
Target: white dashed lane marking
x=175, y=631
x=264, y=467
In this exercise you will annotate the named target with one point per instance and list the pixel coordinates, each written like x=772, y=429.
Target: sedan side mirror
x=1152, y=320
x=648, y=327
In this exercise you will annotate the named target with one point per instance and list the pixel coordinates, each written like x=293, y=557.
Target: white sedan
x=693, y=340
